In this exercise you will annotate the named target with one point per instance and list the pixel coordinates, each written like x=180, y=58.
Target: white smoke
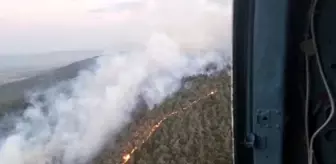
x=73, y=123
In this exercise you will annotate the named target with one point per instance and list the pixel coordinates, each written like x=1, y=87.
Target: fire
x=127, y=156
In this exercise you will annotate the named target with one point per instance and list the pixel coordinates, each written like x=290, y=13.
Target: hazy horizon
x=20, y=66
x=38, y=26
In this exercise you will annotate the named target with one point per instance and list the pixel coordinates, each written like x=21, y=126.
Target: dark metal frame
x=259, y=57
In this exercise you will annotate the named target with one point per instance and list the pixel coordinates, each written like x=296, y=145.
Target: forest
x=193, y=126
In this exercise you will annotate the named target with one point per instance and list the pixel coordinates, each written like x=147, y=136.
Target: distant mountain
x=12, y=94
x=36, y=62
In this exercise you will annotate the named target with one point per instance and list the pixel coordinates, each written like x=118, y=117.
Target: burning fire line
x=127, y=156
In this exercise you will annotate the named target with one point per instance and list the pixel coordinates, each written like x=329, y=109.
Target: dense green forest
x=195, y=128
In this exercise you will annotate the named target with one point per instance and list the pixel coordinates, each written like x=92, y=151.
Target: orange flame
x=127, y=156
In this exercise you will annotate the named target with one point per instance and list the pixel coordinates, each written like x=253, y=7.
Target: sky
x=32, y=26
x=39, y=26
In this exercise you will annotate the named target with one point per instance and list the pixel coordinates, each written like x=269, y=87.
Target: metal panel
x=259, y=65
x=269, y=51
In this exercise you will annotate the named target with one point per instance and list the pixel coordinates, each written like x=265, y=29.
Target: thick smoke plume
x=179, y=38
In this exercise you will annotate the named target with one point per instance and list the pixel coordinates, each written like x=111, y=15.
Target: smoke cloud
x=179, y=38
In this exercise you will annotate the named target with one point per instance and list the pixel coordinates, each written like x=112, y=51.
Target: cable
x=306, y=115
x=307, y=97
x=324, y=79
